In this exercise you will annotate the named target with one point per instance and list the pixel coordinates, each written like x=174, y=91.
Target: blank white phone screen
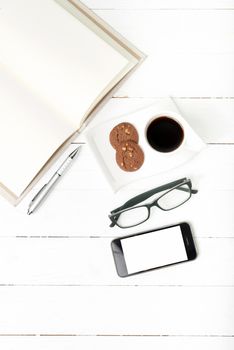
x=154, y=249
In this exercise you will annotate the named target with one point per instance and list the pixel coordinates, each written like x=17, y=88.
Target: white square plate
x=154, y=162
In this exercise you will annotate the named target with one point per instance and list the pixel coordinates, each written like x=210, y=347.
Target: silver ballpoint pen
x=45, y=190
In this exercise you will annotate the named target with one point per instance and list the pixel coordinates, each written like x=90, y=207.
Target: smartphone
x=153, y=249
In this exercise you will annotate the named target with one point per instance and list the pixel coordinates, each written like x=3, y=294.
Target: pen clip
x=39, y=192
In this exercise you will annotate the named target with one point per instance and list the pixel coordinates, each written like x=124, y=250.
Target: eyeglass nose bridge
x=154, y=203
x=151, y=205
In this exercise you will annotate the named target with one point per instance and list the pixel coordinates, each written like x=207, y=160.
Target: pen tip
x=29, y=212
x=74, y=153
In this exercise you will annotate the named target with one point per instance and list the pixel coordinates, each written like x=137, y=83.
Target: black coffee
x=165, y=134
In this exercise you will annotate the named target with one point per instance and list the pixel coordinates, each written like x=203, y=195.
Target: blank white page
x=56, y=55
x=30, y=132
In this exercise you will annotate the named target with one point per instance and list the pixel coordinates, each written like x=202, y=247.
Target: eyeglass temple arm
x=141, y=197
x=186, y=190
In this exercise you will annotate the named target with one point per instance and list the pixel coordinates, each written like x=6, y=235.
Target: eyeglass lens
x=175, y=197
x=133, y=216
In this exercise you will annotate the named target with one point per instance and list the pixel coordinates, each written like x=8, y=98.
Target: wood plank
x=204, y=211
x=182, y=56
x=211, y=118
x=89, y=261
x=159, y=4
x=115, y=342
x=117, y=310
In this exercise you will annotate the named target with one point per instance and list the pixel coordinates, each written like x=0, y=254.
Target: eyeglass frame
x=131, y=203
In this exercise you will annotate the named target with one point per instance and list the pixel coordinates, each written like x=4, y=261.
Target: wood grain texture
x=184, y=58
x=90, y=200
x=117, y=310
x=115, y=342
x=160, y=4
x=204, y=212
x=211, y=118
x=89, y=262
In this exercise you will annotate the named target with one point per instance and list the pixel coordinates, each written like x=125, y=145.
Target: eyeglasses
x=129, y=215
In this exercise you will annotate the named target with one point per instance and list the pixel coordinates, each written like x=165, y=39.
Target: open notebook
x=57, y=64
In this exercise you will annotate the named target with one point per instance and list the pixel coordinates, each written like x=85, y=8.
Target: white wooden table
x=58, y=285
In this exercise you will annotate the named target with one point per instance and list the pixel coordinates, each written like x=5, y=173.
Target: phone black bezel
x=119, y=259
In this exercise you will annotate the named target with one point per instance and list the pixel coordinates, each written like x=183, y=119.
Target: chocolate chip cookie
x=129, y=156
x=123, y=132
